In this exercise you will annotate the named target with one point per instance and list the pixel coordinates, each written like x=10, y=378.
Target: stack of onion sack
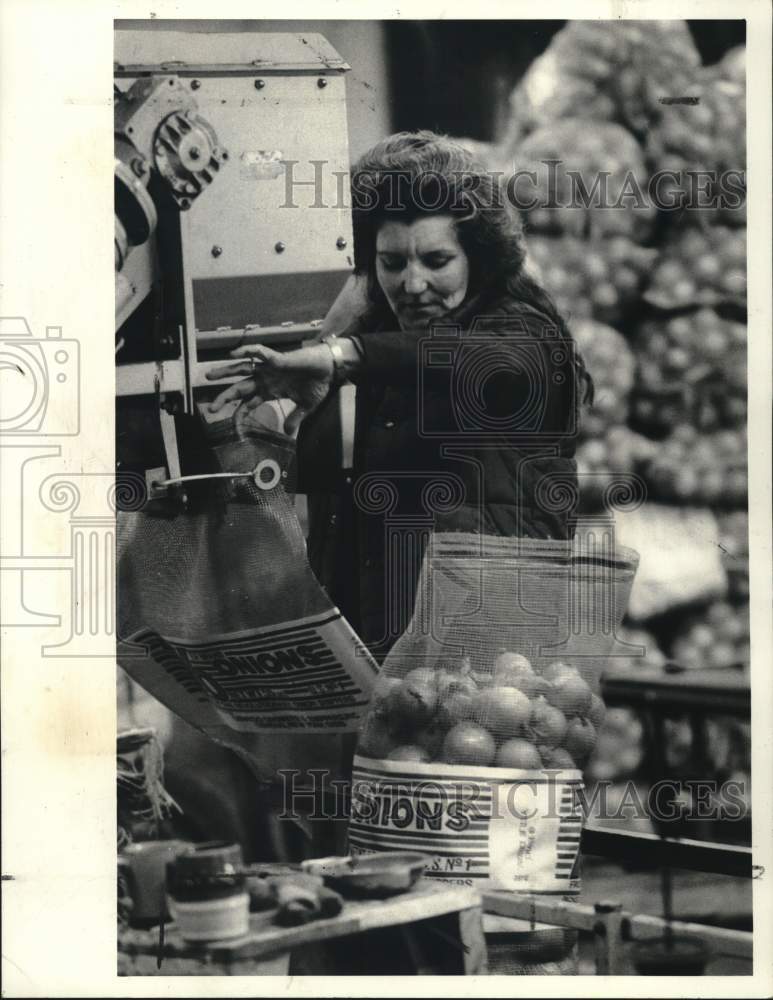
x=700, y=265
x=717, y=636
x=621, y=740
x=620, y=748
x=702, y=140
x=640, y=650
x=222, y=620
x=487, y=710
x=609, y=459
x=582, y=177
x=608, y=448
x=690, y=468
x=691, y=369
x=598, y=70
x=598, y=278
x=611, y=360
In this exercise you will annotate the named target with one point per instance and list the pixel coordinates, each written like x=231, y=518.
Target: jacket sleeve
x=389, y=355
x=509, y=366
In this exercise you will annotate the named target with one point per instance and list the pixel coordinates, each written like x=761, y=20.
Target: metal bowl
x=371, y=875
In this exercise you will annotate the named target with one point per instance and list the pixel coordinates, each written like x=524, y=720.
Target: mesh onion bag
x=487, y=709
x=222, y=620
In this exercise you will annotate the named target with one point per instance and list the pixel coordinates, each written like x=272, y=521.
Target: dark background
x=455, y=76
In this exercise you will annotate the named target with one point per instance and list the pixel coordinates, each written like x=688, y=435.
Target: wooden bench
x=433, y=929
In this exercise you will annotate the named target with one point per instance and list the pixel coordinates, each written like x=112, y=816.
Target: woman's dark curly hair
x=410, y=174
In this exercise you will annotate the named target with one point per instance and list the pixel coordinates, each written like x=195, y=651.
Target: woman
x=466, y=377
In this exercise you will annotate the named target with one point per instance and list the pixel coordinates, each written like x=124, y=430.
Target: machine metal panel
x=260, y=219
x=253, y=52
x=253, y=222
x=259, y=260
x=270, y=300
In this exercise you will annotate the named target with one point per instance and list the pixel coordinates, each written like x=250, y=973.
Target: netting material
x=494, y=687
x=221, y=618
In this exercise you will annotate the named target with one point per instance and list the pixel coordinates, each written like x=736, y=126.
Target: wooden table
x=433, y=929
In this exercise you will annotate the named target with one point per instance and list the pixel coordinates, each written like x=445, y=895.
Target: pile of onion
x=597, y=69
x=700, y=469
x=700, y=266
x=691, y=368
x=583, y=178
x=602, y=279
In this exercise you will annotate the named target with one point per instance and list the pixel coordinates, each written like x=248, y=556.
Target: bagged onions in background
x=706, y=133
x=691, y=369
x=717, y=636
x=603, y=460
x=602, y=279
x=487, y=710
x=725, y=746
x=567, y=158
x=612, y=362
x=648, y=655
x=708, y=470
x=621, y=746
x=700, y=266
x=732, y=66
x=621, y=740
x=598, y=69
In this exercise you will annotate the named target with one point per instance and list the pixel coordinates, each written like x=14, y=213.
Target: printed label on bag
x=493, y=828
x=312, y=674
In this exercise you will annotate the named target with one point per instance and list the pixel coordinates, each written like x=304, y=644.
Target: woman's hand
x=304, y=376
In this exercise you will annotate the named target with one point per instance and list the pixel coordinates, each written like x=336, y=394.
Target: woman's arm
x=349, y=306
x=304, y=376
x=507, y=360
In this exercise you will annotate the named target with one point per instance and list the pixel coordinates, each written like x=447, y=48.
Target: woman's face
x=421, y=268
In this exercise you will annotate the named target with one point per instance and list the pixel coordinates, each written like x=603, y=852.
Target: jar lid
x=214, y=857
x=207, y=871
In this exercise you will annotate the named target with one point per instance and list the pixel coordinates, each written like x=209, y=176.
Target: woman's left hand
x=304, y=376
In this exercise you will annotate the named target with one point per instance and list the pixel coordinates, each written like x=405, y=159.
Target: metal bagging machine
x=232, y=223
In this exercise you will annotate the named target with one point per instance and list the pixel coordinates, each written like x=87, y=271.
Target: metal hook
x=257, y=476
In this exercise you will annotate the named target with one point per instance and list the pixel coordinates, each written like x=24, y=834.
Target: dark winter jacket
x=463, y=429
